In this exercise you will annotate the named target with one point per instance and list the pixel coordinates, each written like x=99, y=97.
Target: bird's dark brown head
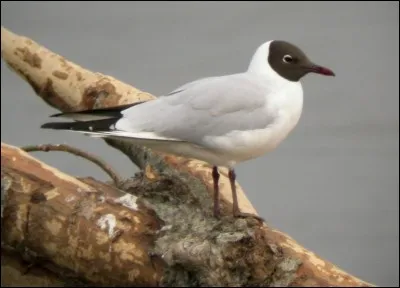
x=291, y=63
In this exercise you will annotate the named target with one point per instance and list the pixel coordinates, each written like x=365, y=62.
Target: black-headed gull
x=221, y=120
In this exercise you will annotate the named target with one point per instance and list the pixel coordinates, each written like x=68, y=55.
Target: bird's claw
x=239, y=214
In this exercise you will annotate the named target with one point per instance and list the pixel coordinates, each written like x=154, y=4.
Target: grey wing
x=207, y=107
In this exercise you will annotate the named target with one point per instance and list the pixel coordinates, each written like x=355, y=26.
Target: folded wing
x=207, y=107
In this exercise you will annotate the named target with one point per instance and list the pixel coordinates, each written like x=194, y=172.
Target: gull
x=221, y=120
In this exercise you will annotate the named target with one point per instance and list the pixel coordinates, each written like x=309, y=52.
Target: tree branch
x=76, y=228
x=195, y=247
x=66, y=148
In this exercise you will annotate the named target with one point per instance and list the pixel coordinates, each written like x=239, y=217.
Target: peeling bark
x=87, y=228
x=195, y=248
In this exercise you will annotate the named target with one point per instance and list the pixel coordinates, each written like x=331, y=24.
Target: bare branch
x=66, y=148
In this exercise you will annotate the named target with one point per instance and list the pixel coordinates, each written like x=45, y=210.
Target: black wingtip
x=88, y=126
x=57, y=125
x=45, y=126
x=57, y=115
x=114, y=111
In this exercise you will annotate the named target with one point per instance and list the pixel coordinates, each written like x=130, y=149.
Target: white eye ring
x=287, y=59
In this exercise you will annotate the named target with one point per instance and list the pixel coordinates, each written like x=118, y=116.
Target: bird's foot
x=217, y=213
x=238, y=214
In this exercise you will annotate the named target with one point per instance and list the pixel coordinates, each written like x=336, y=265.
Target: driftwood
x=155, y=229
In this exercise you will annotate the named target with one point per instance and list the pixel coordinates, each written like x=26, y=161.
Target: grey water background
x=333, y=183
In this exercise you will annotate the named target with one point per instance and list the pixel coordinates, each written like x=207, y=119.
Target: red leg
x=215, y=176
x=232, y=180
x=235, y=204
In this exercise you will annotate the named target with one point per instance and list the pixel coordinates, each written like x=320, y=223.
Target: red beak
x=320, y=70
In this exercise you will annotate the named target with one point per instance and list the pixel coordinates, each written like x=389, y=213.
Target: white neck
x=259, y=65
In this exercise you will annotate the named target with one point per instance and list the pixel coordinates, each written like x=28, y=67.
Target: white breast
x=289, y=104
x=238, y=146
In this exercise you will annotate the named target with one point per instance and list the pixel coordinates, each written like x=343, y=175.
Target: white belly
x=240, y=146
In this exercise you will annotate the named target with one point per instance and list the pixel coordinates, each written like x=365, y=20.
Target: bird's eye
x=287, y=59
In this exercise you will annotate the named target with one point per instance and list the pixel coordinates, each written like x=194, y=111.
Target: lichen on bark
x=200, y=250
